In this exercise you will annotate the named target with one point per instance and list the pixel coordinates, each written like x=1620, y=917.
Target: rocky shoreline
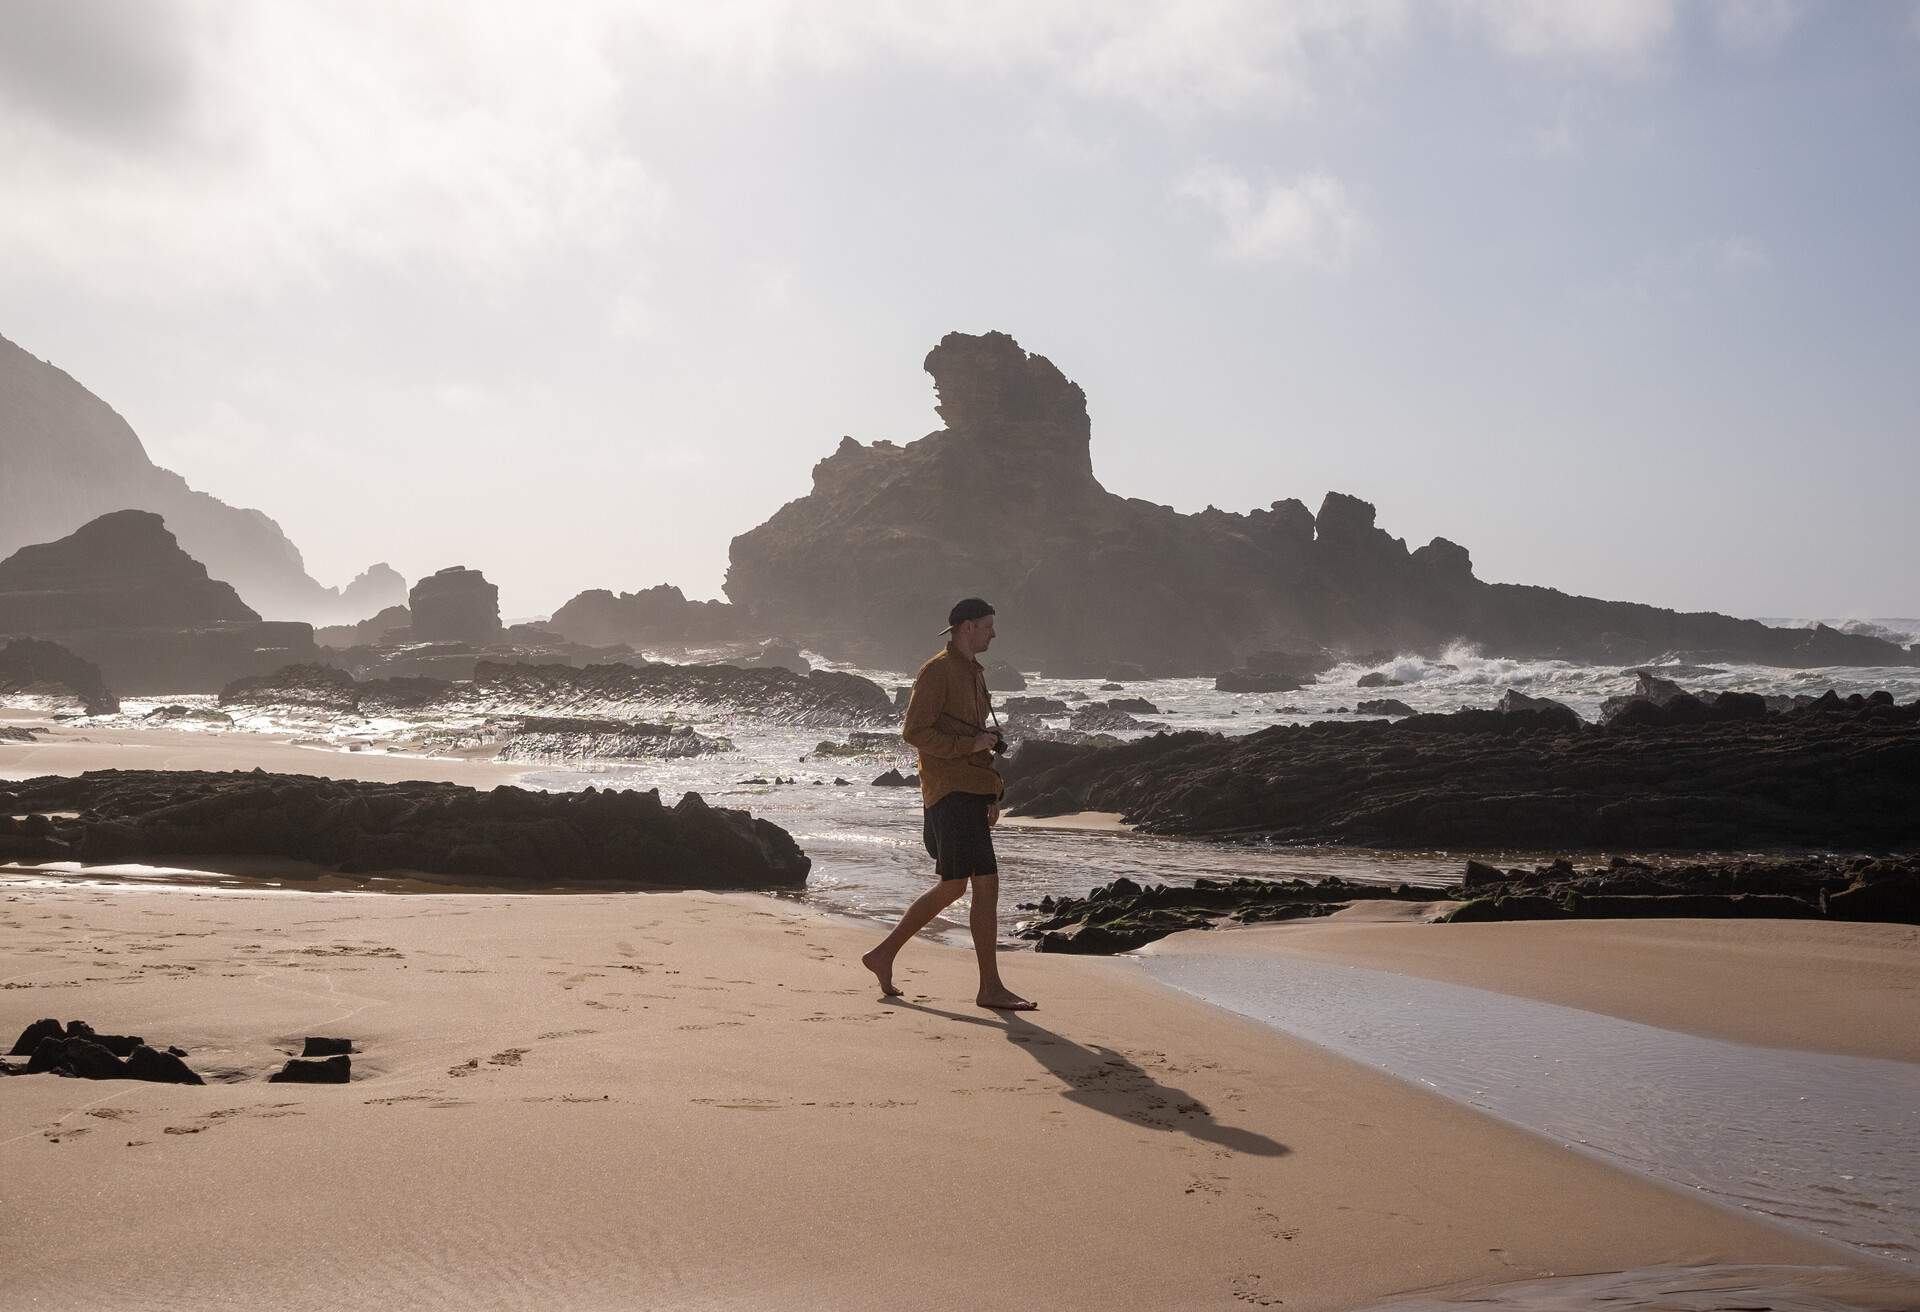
x=505, y=835
x=1684, y=773
x=1124, y=915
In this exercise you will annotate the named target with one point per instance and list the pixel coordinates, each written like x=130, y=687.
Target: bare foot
x=1004, y=1000
x=882, y=967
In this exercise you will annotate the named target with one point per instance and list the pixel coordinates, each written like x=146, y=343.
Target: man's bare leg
x=984, y=919
x=928, y=905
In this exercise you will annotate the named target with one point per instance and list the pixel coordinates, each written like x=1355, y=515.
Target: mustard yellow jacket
x=948, y=708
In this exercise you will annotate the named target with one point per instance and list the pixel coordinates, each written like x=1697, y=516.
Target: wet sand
x=1852, y=989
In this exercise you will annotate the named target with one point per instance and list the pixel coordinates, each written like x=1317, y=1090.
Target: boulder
x=1384, y=706
x=47, y=673
x=1002, y=677
x=455, y=604
x=1376, y=679
x=894, y=779
x=1513, y=702
x=337, y=1069
x=324, y=1047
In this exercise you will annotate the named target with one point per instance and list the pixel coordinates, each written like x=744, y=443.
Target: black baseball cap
x=967, y=608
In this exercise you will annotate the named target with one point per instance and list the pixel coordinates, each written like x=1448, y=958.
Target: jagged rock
x=177, y=714
x=1034, y=706
x=656, y=617
x=337, y=1069
x=1834, y=774
x=561, y=738
x=603, y=694
x=894, y=779
x=1513, y=702
x=394, y=624
x=1254, y=681
x=1138, y=704
x=1002, y=502
x=45, y=673
x=1384, y=706
x=324, y=1047
x=376, y=589
x=357, y=827
x=775, y=654
x=1124, y=915
x=78, y=1051
x=1104, y=719
x=1001, y=677
x=31, y=1036
x=120, y=593
x=455, y=604
x=1858, y=888
x=1379, y=680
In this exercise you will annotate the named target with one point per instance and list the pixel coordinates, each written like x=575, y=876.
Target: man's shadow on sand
x=1101, y=1079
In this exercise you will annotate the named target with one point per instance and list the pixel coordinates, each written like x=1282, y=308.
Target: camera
x=999, y=741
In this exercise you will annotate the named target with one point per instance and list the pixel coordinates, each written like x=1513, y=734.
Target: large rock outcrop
x=657, y=617
x=1839, y=773
x=47, y=674
x=66, y=457
x=355, y=827
x=120, y=593
x=455, y=604
x=1002, y=503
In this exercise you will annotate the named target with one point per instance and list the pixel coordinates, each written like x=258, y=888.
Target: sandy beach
x=700, y=1100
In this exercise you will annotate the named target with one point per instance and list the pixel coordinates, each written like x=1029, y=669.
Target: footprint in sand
x=1249, y=1289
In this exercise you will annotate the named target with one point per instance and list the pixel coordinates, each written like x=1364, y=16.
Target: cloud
x=93, y=68
x=1739, y=255
x=1310, y=222
x=1200, y=56
x=301, y=141
x=1616, y=35
x=1757, y=26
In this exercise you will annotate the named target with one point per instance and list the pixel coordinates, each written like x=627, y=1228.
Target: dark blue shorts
x=958, y=837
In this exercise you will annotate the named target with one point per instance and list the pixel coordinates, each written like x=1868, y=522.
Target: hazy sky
x=1624, y=297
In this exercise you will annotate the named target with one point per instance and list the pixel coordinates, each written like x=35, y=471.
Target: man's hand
x=993, y=814
x=984, y=742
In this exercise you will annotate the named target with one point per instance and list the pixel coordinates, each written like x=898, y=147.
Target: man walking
x=947, y=724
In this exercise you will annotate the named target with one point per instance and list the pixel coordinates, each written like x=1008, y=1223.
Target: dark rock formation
x=1123, y=915
x=1839, y=773
x=1096, y=718
x=1518, y=703
x=894, y=779
x=120, y=593
x=77, y=1051
x=1001, y=677
x=357, y=827
x=1375, y=679
x=47, y=673
x=455, y=604
x=660, y=618
x=1002, y=503
x=599, y=698
x=567, y=738
x=394, y=624
x=326, y=1047
x=1034, y=706
x=1383, y=706
x=337, y=1069
x=1856, y=888
x=67, y=458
